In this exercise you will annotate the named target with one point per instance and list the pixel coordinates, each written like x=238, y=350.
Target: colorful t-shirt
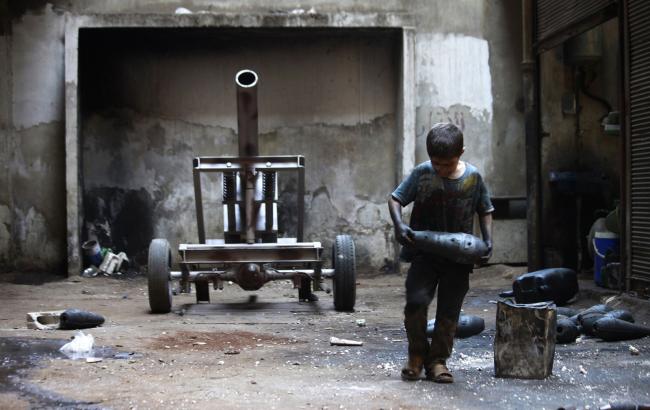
x=443, y=204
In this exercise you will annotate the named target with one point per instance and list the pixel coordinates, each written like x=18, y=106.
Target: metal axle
x=230, y=274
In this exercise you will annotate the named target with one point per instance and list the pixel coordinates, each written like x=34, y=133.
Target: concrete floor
x=274, y=353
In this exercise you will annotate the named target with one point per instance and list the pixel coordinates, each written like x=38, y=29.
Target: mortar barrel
x=246, y=81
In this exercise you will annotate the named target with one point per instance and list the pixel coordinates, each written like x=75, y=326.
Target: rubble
x=48, y=320
x=335, y=341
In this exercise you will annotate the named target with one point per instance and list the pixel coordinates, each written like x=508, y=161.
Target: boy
x=446, y=192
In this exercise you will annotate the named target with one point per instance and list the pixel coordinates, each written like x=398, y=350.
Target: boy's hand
x=404, y=234
x=485, y=258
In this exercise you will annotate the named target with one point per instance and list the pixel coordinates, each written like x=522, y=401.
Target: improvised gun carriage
x=250, y=253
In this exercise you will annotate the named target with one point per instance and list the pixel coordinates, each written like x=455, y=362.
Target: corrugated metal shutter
x=638, y=18
x=557, y=16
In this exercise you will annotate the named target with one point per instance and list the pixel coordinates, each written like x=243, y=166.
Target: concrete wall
x=576, y=141
x=138, y=140
x=32, y=208
x=5, y=132
x=149, y=109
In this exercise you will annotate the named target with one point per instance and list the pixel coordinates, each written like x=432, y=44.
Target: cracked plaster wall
x=210, y=6
x=480, y=38
x=33, y=204
x=468, y=73
x=5, y=130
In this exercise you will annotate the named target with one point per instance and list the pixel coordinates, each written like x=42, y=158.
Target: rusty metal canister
x=524, y=344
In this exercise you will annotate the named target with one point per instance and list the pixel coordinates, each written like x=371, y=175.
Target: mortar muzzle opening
x=246, y=78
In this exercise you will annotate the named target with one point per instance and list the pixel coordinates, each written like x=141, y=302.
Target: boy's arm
x=485, y=221
x=403, y=233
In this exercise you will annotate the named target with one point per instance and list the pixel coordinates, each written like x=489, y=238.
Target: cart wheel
x=160, y=291
x=344, y=282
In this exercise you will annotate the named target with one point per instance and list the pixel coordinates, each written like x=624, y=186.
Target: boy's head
x=445, y=146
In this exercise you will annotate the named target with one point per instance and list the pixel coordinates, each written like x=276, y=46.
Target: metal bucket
x=603, y=242
x=92, y=253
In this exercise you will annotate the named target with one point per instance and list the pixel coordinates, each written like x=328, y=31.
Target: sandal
x=413, y=368
x=441, y=374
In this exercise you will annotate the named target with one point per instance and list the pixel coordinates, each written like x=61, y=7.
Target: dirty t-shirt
x=443, y=204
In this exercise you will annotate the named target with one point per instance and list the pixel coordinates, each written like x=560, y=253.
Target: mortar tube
x=247, y=127
x=246, y=81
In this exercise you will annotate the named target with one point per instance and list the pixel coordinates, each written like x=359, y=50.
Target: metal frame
x=276, y=260
x=632, y=281
x=531, y=86
x=292, y=254
x=285, y=259
x=258, y=163
x=229, y=274
x=626, y=154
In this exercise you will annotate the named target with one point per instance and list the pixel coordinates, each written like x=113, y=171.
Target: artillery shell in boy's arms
x=457, y=247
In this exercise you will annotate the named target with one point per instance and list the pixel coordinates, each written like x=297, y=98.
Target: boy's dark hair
x=444, y=140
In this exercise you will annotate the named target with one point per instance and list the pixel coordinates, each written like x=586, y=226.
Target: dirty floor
x=265, y=350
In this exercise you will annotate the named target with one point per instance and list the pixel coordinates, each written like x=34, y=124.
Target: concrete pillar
x=406, y=106
x=74, y=210
x=6, y=140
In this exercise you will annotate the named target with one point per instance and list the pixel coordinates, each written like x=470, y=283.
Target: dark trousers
x=452, y=282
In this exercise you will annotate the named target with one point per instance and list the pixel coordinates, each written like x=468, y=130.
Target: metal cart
x=250, y=253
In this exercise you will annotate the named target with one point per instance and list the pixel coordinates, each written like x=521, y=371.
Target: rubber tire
x=160, y=290
x=344, y=283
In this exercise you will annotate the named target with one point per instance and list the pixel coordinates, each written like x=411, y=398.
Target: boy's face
x=445, y=167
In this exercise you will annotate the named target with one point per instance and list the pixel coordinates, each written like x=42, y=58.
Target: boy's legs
x=452, y=287
x=421, y=282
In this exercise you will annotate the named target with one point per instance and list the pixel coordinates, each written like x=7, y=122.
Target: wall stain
x=155, y=137
x=122, y=220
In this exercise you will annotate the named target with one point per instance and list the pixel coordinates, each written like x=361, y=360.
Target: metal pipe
x=193, y=275
x=246, y=81
x=300, y=233
x=325, y=273
x=625, y=189
x=273, y=274
x=250, y=210
x=529, y=67
x=198, y=201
